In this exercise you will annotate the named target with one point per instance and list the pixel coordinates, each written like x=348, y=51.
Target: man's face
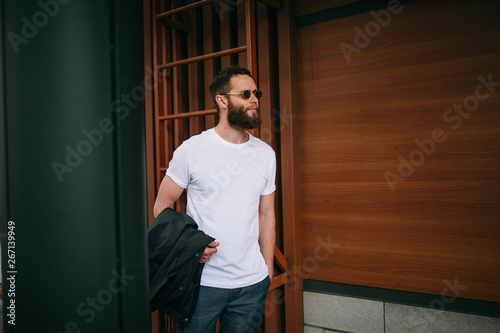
x=241, y=112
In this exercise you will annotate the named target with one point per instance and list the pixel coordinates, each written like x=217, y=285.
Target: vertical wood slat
x=178, y=132
x=196, y=84
x=264, y=73
x=208, y=64
x=177, y=93
x=160, y=322
x=152, y=171
x=216, y=39
x=157, y=108
x=240, y=25
x=149, y=105
x=157, y=318
x=289, y=142
x=225, y=35
x=166, y=93
x=251, y=43
x=251, y=38
x=233, y=34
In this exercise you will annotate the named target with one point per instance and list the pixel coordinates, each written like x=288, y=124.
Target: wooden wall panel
x=435, y=222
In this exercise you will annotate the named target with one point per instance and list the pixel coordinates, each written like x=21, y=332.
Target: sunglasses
x=247, y=93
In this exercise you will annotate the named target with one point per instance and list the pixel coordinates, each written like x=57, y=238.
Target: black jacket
x=175, y=246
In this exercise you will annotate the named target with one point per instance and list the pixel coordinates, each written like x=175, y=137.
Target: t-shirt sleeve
x=178, y=168
x=271, y=178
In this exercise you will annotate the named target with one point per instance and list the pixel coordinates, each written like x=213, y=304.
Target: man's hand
x=209, y=250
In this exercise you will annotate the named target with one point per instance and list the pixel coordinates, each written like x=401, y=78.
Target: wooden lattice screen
x=190, y=41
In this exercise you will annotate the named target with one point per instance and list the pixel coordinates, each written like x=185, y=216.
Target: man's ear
x=221, y=102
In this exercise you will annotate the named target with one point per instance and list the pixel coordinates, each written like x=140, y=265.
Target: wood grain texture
x=361, y=115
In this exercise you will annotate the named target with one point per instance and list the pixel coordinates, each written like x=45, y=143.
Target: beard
x=237, y=116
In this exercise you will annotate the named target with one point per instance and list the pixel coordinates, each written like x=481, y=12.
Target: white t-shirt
x=224, y=182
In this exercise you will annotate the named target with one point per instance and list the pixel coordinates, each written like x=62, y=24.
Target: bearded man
x=229, y=176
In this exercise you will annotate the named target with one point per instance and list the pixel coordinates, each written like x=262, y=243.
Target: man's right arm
x=168, y=194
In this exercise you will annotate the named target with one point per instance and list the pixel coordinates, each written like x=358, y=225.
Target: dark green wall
x=73, y=165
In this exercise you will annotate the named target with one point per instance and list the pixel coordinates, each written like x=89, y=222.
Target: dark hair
x=220, y=83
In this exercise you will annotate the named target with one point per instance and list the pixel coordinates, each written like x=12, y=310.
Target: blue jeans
x=239, y=310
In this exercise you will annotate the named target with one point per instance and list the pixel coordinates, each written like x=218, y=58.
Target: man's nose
x=254, y=99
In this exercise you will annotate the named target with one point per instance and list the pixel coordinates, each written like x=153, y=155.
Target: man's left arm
x=267, y=230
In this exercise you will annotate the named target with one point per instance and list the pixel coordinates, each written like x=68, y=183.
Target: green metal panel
x=73, y=173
